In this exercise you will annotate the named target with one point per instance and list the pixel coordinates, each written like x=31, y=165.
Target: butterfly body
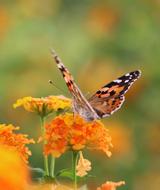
x=86, y=112
x=105, y=101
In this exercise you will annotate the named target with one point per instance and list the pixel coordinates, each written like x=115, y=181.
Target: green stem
x=74, y=164
x=52, y=167
x=46, y=165
x=45, y=157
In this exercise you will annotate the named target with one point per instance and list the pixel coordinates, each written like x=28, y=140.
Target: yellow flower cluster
x=44, y=106
x=67, y=132
x=14, y=141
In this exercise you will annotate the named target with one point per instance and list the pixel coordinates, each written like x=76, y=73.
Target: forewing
x=110, y=97
x=66, y=74
x=79, y=101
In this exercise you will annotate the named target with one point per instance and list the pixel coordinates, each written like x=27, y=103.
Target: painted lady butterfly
x=105, y=101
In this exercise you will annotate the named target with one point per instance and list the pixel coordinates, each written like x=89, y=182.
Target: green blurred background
x=98, y=41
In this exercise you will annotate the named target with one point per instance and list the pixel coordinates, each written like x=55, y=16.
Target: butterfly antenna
x=52, y=83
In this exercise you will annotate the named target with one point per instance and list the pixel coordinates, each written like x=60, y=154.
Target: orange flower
x=102, y=19
x=13, y=171
x=83, y=166
x=15, y=141
x=44, y=106
x=109, y=185
x=68, y=132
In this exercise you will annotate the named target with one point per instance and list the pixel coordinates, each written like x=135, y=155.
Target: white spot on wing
x=118, y=81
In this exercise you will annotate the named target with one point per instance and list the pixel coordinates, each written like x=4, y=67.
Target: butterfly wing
x=110, y=97
x=80, y=103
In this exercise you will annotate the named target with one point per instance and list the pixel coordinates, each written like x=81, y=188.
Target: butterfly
x=105, y=101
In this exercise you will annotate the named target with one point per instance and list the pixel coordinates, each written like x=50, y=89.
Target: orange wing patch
x=109, y=106
x=107, y=92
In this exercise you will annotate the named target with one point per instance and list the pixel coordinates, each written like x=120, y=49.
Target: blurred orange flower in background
x=43, y=106
x=102, y=19
x=67, y=132
x=4, y=21
x=121, y=138
x=13, y=171
x=16, y=142
x=109, y=185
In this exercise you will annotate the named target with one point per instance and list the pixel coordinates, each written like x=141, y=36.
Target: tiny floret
x=83, y=166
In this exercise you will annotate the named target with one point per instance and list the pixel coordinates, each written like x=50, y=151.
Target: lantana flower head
x=109, y=185
x=68, y=132
x=44, y=106
x=14, y=141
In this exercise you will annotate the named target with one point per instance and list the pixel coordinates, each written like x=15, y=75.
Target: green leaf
x=69, y=174
x=65, y=173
